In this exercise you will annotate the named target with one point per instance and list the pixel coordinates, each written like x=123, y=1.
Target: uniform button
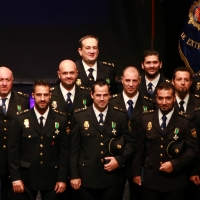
x=41, y=162
x=101, y=152
x=29, y=136
x=161, y=163
x=69, y=122
x=56, y=167
x=41, y=137
x=83, y=164
x=4, y=120
x=101, y=135
x=53, y=136
x=101, y=144
x=4, y=146
x=4, y=137
x=41, y=145
x=41, y=154
x=161, y=155
x=161, y=138
x=69, y=114
x=161, y=146
x=102, y=160
x=88, y=134
x=5, y=129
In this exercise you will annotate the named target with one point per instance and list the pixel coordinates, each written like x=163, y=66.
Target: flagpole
x=152, y=23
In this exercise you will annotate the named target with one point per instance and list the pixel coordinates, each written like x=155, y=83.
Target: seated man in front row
x=94, y=167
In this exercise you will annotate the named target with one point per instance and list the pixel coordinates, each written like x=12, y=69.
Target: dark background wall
x=36, y=35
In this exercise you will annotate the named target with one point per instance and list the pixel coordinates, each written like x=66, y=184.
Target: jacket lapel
x=34, y=121
x=49, y=122
x=12, y=104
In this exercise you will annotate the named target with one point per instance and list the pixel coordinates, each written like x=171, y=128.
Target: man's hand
x=137, y=180
x=18, y=186
x=195, y=179
x=75, y=183
x=112, y=165
x=60, y=187
x=166, y=167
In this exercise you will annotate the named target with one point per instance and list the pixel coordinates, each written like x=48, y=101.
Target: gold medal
x=86, y=125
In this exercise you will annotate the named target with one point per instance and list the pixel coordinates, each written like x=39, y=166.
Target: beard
x=182, y=93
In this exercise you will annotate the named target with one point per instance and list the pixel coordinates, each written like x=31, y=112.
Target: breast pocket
x=88, y=133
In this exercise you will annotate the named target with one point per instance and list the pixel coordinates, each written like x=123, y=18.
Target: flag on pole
x=189, y=43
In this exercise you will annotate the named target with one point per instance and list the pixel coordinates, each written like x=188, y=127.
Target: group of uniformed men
x=81, y=142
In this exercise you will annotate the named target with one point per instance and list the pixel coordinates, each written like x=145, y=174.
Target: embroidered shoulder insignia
x=85, y=88
x=168, y=81
x=149, y=99
x=59, y=112
x=197, y=109
x=113, y=96
x=52, y=89
x=197, y=96
x=80, y=109
x=183, y=114
x=23, y=94
x=22, y=112
x=120, y=109
x=109, y=64
x=147, y=112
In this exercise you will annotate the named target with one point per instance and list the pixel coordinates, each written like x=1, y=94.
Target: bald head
x=6, y=79
x=67, y=74
x=130, y=81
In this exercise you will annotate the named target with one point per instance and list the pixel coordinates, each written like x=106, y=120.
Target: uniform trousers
x=156, y=195
x=112, y=192
x=47, y=195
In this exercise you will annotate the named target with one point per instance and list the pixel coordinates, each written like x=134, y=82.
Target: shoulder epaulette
x=120, y=109
x=197, y=96
x=80, y=109
x=183, y=114
x=196, y=75
x=147, y=112
x=52, y=89
x=113, y=96
x=168, y=81
x=23, y=94
x=59, y=112
x=22, y=112
x=109, y=64
x=149, y=99
x=197, y=109
x=85, y=88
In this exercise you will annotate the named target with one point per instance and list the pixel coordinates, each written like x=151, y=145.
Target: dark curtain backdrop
x=35, y=37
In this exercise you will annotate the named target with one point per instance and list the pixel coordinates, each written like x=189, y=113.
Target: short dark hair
x=165, y=86
x=151, y=53
x=100, y=82
x=182, y=69
x=40, y=83
x=85, y=37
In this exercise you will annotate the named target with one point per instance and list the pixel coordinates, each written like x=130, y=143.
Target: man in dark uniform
x=185, y=101
x=38, y=147
x=170, y=143
x=152, y=77
x=10, y=102
x=132, y=101
x=67, y=96
x=93, y=168
x=89, y=69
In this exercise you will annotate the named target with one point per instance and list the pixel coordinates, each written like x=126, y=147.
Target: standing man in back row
x=89, y=68
x=152, y=77
x=11, y=102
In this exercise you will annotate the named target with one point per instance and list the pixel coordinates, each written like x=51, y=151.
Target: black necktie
x=68, y=100
x=181, y=105
x=101, y=119
x=150, y=89
x=90, y=76
x=130, y=107
x=163, y=125
x=4, y=105
x=41, y=122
